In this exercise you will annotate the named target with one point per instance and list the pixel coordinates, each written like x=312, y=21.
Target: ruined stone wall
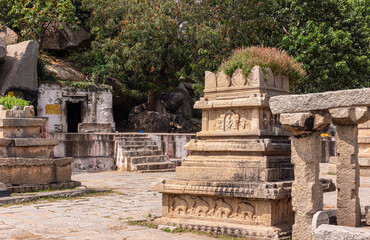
x=95, y=151
x=52, y=103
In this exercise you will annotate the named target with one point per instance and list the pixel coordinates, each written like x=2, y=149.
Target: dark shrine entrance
x=73, y=116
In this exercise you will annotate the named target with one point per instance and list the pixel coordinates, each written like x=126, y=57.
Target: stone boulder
x=2, y=49
x=62, y=69
x=55, y=39
x=180, y=102
x=140, y=119
x=173, y=100
x=19, y=69
x=9, y=36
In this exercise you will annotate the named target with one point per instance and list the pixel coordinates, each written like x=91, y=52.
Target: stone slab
x=236, y=230
x=334, y=232
x=272, y=191
x=318, y=101
x=22, y=122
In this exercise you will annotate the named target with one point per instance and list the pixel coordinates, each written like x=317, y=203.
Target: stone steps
x=154, y=166
x=124, y=139
x=138, y=143
x=139, y=147
x=146, y=159
x=140, y=154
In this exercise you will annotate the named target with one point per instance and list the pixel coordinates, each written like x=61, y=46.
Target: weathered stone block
x=334, y=232
x=319, y=101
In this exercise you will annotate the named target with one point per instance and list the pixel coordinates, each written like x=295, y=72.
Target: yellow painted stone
x=53, y=109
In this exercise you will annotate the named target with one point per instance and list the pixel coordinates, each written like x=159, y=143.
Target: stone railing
x=305, y=116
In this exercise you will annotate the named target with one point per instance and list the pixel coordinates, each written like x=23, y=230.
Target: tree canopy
x=148, y=46
x=32, y=17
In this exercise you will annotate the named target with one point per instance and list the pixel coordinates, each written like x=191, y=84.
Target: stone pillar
x=348, y=176
x=307, y=194
x=364, y=148
x=348, y=171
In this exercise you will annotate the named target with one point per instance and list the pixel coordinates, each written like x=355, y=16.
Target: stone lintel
x=320, y=101
x=263, y=145
x=255, y=190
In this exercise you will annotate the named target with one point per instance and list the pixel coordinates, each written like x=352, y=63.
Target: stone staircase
x=138, y=153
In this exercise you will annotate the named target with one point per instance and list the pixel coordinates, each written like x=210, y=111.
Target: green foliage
x=147, y=47
x=32, y=17
x=332, y=39
x=279, y=62
x=9, y=102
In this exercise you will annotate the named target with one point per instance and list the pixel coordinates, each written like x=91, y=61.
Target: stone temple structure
x=27, y=161
x=238, y=179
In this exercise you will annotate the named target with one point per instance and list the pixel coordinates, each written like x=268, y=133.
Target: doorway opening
x=73, y=116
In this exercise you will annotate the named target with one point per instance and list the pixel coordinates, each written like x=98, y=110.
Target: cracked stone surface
x=98, y=217
x=107, y=216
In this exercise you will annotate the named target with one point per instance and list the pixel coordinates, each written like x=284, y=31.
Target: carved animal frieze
x=213, y=207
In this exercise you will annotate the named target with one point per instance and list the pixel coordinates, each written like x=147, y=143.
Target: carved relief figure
x=245, y=211
x=201, y=207
x=221, y=122
x=179, y=205
x=224, y=209
x=228, y=122
x=236, y=118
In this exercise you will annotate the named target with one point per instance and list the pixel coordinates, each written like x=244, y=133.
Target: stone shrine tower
x=237, y=181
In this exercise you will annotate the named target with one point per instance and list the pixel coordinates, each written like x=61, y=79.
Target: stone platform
x=27, y=160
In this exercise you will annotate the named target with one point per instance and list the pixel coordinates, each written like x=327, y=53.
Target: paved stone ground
x=106, y=216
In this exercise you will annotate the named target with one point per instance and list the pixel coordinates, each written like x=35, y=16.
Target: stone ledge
x=251, y=232
x=333, y=232
x=247, y=101
x=15, y=162
x=28, y=197
x=28, y=142
x=270, y=190
x=320, y=101
x=22, y=122
x=42, y=187
x=277, y=132
x=242, y=145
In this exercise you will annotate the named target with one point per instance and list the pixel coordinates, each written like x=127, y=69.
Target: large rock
x=9, y=36
x=186, y=109
x=141, y=119
x=55, y=39
x=19, y=69
x=62, y=70
x=173, y=100
x=180, y=102
x=2, y=49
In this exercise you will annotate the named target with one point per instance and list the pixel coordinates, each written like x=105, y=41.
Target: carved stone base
x=238, y=216
x=250, y=232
